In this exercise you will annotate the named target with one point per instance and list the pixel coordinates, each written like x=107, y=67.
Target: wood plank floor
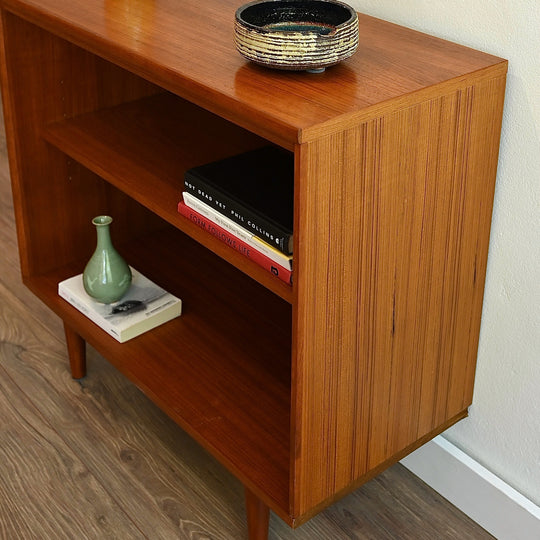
x=94, y=459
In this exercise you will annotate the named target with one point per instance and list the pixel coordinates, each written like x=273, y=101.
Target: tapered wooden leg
x=76, y=347
x=258, y=516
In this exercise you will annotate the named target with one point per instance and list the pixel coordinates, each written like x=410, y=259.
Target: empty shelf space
x=144, y=147
x=221, y=370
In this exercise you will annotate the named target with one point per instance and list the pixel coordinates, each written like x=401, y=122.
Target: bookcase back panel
x=394, y=224
x=70, y=81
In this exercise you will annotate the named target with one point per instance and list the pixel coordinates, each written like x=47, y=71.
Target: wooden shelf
x=144, y=147
x=221, y=370
x=303, y=391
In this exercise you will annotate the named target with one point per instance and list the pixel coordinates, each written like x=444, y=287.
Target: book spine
x=235, y=242
x=239, y=213
x=216, y=217
x=102, y=323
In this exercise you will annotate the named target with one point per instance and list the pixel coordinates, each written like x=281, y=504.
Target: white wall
x=503, y=429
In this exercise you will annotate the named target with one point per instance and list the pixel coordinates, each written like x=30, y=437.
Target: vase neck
x=103, y=235
x=102, y=224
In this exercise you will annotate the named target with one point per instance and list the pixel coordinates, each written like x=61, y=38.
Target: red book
x=236, y=243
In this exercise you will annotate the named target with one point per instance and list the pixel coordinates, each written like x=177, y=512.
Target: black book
x=255, y=189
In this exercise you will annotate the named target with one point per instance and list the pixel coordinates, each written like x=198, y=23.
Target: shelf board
x=221, y=370
x=144, y=147
x=191, y=52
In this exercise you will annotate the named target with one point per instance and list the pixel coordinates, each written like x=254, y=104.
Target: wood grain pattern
x=68, y=81
x=235, y=403
x=191, y=52
x=258, y=516
x=172, y=136
x=34, y=457
x=76, y=194
x=401, y=280
x=302, y=393
x=94, y=453
x=96, y=459
x=76, y=347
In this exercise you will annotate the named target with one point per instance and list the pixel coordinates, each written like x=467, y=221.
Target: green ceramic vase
x=107, y=277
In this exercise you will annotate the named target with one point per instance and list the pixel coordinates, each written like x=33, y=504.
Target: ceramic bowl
x=296, y=34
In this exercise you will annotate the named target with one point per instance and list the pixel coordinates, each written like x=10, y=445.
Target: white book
x=144, y=307
x=239, y=231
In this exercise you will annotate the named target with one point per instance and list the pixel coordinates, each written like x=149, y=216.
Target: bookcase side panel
x=393, y=221
x=46, y=79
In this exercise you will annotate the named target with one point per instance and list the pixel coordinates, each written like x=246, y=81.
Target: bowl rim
x=241, y=9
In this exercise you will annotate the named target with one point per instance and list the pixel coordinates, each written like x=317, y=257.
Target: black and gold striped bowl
x=296, y=34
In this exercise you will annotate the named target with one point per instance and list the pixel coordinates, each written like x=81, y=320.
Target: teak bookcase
x=305, y=391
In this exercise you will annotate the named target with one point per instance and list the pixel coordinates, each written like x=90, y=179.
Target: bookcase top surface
x=187, y=47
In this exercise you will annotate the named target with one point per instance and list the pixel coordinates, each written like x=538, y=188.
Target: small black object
x=129, y=306
x=296, y=15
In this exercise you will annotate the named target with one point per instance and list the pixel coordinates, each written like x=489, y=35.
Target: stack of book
x=247, y=202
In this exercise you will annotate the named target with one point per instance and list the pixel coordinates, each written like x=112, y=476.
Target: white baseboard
x=469, y=486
